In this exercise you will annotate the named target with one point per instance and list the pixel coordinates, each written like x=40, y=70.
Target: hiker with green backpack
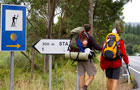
x=112, y=53
x=82, y=43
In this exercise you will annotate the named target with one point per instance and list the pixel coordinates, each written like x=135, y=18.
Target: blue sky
x=132, y=11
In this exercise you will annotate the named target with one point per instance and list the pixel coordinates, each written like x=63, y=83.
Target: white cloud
x=131, y=11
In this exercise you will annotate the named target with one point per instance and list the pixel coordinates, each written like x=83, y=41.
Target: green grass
x=63, y=75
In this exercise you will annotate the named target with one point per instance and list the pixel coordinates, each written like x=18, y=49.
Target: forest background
x=31, y=68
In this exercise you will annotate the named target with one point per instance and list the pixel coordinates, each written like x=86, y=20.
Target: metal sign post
x=53, y=46
x=50, y=72
x=12, y=71
x=77, y=78
x=50, y=47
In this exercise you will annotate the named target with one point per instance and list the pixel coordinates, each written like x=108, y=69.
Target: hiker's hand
x=128, y=65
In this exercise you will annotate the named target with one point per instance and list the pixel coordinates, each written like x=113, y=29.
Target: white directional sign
x=52, y=46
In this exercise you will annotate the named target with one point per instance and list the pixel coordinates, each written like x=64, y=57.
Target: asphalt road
x=134, y=62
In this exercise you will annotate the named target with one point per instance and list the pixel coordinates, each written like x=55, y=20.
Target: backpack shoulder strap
x=119, y=41
x=83, y=32
x=70, y=37
x=86, y=35
x=104, y=45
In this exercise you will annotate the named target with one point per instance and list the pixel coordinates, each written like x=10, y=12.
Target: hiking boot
x=84, y=87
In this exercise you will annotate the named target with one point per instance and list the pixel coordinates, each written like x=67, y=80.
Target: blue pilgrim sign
x=13, y=28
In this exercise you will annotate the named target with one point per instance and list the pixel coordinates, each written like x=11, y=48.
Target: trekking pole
x=129, y=72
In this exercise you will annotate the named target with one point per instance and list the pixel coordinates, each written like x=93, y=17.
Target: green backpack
x=78, y=40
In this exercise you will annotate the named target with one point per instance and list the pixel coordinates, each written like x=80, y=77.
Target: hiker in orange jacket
x=112, y=68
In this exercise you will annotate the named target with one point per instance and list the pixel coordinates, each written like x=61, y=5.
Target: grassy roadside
x=63, y=78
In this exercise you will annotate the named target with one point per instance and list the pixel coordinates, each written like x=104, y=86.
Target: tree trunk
x=60, y=26
x=51, y=10
x=30, y=60
x=46, y=63
x=33, y=54
x=91, y=14
x=32, y=64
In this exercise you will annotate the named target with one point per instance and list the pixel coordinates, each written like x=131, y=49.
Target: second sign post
x=50, y=47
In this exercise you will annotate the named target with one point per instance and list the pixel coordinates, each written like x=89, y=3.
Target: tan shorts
x=87, y=66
